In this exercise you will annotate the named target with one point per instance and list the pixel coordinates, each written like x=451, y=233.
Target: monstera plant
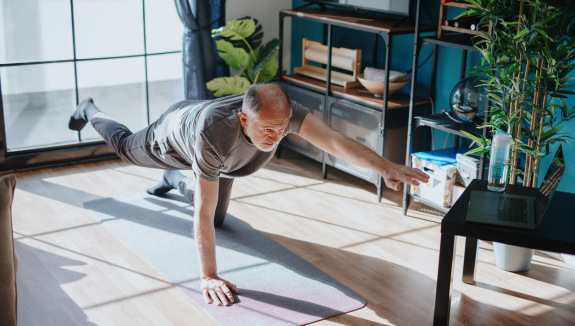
x=239, y=44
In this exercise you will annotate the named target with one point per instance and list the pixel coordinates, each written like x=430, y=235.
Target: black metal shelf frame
x=439, y=122
x=386, y=36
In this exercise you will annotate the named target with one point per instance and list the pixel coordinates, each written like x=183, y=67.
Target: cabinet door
x=315, y=103
x=360, y=124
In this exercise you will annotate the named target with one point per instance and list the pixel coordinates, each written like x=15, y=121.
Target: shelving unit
x=360, y=95
x=461, y=40
x=443, y=14
x=380, y=123
x=443, y=123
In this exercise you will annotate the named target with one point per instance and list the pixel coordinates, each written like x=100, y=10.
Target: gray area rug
x=276, y=286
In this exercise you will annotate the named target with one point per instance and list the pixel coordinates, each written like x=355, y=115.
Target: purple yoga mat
x=276, y=286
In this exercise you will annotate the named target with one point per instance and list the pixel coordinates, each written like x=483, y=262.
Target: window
x=126, y=54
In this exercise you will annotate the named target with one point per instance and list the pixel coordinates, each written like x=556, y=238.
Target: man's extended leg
x=176, y=180
x=140, y=148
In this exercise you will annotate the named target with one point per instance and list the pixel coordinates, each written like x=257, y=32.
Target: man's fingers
x=222, y=296
x=229, y=294
x=394, y=185
x=232, y=287
x=415, y=176
x=214, y=297
x=421, y=176
x=207, y=297
x=412, y=180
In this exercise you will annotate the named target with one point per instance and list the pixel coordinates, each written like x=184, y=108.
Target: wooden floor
x=74, y=272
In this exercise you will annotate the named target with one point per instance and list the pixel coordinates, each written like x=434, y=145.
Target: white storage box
x=442, y=169
x=457, y=191
x=467, y=169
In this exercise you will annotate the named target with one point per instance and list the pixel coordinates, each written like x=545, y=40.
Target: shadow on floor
x=41, y=299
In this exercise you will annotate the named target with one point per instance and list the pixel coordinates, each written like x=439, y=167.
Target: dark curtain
x=198, y=51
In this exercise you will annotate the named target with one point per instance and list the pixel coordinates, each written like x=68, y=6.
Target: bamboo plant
x=526, y=60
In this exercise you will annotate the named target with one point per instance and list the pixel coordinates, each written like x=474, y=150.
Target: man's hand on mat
x=219, y=290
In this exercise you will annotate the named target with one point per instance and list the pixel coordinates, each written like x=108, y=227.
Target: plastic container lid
x=501, y=138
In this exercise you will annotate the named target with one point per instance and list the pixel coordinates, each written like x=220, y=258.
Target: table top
x=555, y=232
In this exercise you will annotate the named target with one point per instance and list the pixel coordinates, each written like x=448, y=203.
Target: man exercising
x=220, y=140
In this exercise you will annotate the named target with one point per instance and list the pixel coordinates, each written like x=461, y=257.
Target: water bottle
x=499, y=161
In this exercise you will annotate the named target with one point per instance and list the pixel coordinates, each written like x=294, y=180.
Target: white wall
x=267, y=13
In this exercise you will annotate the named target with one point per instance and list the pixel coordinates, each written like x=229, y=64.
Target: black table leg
x=470, y=260
x=444, y=280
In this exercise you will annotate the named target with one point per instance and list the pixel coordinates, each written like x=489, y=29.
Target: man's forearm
x=335, y=143
x=357, y=153
x=214, y=288
x=205, y=201
x=330, y=140
x=205, y=236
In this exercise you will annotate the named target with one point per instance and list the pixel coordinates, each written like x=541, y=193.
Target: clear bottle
x=499, y=161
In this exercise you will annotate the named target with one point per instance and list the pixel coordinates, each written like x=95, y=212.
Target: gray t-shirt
x=209, y=137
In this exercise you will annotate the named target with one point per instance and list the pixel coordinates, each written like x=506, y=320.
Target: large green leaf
x=228, y=85
x=266, y=74
x=266, y=54
x=236, y=58
x=265, y=68
x=255, y=39
x=236, y=29
x=269, y=71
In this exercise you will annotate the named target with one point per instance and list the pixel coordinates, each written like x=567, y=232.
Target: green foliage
x=236, y=30
x=228, y=85
x=525, y=65
x=236, y=58
x=239, y=44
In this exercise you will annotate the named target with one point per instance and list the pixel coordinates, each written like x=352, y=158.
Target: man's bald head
x=266, y=97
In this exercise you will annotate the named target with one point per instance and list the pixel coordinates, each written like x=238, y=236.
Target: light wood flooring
x=74, y=272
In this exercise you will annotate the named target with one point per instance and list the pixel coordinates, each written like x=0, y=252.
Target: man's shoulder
x=219, y=118
x=218, y=109
x=230, y=102
x=299, y=112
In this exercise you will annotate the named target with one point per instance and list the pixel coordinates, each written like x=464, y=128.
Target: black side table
x=556, y=232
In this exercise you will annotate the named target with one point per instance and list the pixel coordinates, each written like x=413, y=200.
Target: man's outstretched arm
x=332, y=141
x=214, y=288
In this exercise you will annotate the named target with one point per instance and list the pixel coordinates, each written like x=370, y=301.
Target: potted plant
x=239, y=44
x=526, y=60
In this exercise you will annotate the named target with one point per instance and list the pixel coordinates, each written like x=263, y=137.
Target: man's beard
x=267, y=149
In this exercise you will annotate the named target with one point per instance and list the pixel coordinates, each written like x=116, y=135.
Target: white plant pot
x=512, y=258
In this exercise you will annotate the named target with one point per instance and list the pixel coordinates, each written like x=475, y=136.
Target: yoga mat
x=276, y=286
